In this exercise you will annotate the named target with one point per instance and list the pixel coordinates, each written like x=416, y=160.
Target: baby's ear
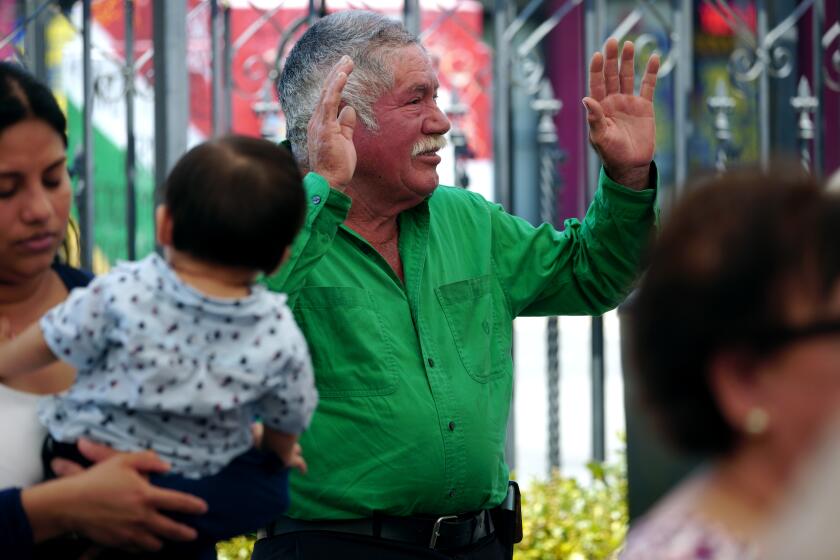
x=283, y=260
x=163, y=226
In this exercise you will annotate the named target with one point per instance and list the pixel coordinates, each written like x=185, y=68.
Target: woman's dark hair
x=236, y=201
x=23, y=97
x=730, y=261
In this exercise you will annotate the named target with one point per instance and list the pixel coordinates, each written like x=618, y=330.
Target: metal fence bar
x=86, y=201
x=227, y=72
x=550, y=155
x=599, y=448
x=501, y=107
x=804, y=104
x=315, y=9
x=721, y=104
x=216, y=70
x=502, y=156
x=411, y=16
x=763, y=88
x=35, y=42
x=130, y=146
x=28, y=16
x=682, y=88
x=817, y=20
x=595, y=15
x=171, y=86
x=593, y=29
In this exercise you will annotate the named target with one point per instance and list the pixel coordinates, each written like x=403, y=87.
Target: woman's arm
x=23, y=354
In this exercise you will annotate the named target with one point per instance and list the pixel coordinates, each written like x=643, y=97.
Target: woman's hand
x=112, y=502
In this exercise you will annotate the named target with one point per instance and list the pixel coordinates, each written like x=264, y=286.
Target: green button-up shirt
x=415, y=377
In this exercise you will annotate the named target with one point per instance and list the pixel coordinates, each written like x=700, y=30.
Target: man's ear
x=734, y=380
x=163, y=226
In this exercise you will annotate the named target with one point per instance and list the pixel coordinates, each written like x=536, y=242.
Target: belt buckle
x=436, y=529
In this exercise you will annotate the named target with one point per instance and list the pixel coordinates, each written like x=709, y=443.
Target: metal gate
x=736, y=78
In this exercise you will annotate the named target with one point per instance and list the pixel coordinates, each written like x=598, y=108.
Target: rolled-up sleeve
x=16, y=539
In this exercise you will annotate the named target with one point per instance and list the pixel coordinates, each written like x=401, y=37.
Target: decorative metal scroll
x=749, y=62
x=649, y=43
x=831, y=45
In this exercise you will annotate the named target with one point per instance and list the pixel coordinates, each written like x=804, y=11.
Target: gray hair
x=369, y=39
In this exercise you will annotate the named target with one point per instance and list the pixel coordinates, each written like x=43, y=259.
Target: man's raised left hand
x=622, y=127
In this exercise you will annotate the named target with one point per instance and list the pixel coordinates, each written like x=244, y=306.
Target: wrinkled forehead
x=413, y=68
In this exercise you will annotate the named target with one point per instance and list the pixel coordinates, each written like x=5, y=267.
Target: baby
x=180, y=353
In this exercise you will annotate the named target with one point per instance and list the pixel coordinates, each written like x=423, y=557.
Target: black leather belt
x=441, y=533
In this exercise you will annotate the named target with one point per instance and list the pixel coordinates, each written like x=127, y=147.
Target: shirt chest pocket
x=351, y=353
x=481, y=329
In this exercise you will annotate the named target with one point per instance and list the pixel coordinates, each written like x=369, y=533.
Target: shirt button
x=431, y=362
x=452, y=426
x=452, y=493
x=316, y=199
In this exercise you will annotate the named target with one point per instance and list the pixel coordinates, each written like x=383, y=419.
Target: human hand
x=286, y=447
x=93, y=452
x=294, y=459
x=330, y=132
x=622, y=127
x=257, y=434
x=113, y=504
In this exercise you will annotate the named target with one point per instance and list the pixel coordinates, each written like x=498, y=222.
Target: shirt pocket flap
x=475, y=324
x=351, y=352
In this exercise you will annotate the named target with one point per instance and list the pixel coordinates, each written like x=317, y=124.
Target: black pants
x=327, y=545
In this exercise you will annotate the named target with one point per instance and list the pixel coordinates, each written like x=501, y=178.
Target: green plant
x=238, y=548
x=566, y=520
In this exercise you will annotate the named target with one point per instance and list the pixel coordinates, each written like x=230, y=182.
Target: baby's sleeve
x=77, y=329
x=289, y=405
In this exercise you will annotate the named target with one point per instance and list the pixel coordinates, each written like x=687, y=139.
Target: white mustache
x=428, y=143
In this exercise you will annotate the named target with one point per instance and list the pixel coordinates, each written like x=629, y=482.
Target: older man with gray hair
x=407, y=290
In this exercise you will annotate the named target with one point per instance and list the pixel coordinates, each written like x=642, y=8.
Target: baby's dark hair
x=236, y=201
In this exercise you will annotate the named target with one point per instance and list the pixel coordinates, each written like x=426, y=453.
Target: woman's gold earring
x=757, y=421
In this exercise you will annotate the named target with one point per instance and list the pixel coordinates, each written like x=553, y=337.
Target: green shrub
x=235, y=549
x=562, y=519
x=565, y=520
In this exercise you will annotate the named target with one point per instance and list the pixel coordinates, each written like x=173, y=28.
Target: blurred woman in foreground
x=736, y=340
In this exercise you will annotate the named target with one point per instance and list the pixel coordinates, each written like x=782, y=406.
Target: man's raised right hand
x=330, y=132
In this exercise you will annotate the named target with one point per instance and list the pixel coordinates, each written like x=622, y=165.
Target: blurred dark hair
x=23, y=97
x=733, y=257
x=236, y=201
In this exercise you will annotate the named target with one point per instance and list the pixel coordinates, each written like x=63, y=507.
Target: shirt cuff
x=319, y=193
x=623, y=201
